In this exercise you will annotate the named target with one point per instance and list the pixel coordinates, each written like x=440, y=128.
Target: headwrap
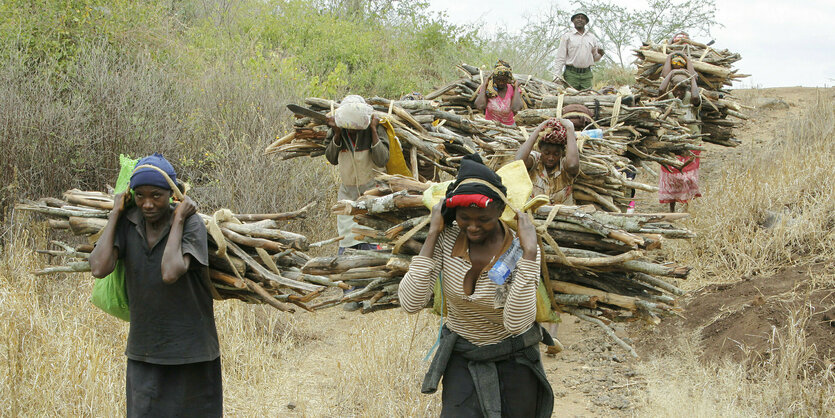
x=553, y=132
x=353, y=113
x=502, y=69
x=150, y=177
x=678, y=60
x=468, y=200
x=471, y=168
x=579, y=112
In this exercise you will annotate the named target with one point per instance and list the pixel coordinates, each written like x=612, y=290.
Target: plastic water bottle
x=593, y=133
x=505, y=264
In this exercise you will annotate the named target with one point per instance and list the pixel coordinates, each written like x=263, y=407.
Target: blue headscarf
x=150, y=177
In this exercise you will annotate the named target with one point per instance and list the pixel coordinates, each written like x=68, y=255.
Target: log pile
x=459, y=96
x=257, y=263
x=440, y=138
x=598, y=266
x=715, y=73
x=637, y=129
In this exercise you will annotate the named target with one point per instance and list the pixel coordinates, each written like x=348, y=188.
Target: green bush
x=610, y=74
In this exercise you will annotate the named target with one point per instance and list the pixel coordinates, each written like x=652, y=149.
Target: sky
x=782, y=43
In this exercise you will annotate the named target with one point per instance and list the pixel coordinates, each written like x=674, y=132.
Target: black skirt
x=518, y=383
x=183, y=390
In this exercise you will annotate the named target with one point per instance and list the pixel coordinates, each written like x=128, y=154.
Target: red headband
x=468, y=200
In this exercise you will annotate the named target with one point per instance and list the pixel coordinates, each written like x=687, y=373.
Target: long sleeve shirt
x=578, y=50
x=356, y=158
x=473, y=317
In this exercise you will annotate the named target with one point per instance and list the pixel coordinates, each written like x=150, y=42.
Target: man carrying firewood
x=577, y=52
x=358, y=145
x=173, y=352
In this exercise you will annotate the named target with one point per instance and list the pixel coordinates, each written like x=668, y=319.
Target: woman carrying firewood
x=556, y=165
x=357, y=144
x=681, y=185
x=499, y=96
x=488, y=353
x=553, y=170
x=173, y=352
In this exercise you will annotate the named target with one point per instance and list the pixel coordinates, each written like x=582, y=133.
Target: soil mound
x=739, y=320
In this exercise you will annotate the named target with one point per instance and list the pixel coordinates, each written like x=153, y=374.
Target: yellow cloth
x=514, y=177
x=396, y=164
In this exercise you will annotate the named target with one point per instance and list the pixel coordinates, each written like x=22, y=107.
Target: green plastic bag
x=109, y=293
x=544, y=312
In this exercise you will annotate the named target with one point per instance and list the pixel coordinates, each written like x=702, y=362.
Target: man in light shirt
x=577, y=52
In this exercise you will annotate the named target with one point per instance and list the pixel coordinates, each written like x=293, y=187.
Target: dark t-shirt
x=170, y=323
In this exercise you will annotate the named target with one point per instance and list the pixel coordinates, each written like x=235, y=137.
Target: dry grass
x=61, y=356
x=213, y=127
x=786, y=184
x=681, y=385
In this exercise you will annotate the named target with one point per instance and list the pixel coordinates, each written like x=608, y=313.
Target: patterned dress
x=682, y=185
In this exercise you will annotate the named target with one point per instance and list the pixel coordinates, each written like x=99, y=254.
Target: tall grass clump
x=611, y=74
x=383, y=369
x=770, y=209
x=786, y=383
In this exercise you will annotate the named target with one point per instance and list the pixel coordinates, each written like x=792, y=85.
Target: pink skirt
x=678, y=187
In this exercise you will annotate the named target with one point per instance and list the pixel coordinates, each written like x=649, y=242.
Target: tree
x=386, y=9
x=664, y=18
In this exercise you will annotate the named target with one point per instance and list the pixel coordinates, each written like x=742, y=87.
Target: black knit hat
x=472, y=167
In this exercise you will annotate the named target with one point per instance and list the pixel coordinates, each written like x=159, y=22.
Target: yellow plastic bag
x=519, y=187
x=514, y=177
x=438, y=302
x=396, y=164
x=435, y=193
x=544, y=312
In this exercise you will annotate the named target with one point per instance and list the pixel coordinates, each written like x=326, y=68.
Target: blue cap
x=150, y=177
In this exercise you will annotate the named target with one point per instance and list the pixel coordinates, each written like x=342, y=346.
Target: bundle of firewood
x=715, y=73
x=650, y=124
x=440, y=138
x=459, y=96
x=250, y=257
x=438, y=131
x=597, y=262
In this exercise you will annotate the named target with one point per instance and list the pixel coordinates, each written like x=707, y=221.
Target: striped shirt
x=472, y=317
